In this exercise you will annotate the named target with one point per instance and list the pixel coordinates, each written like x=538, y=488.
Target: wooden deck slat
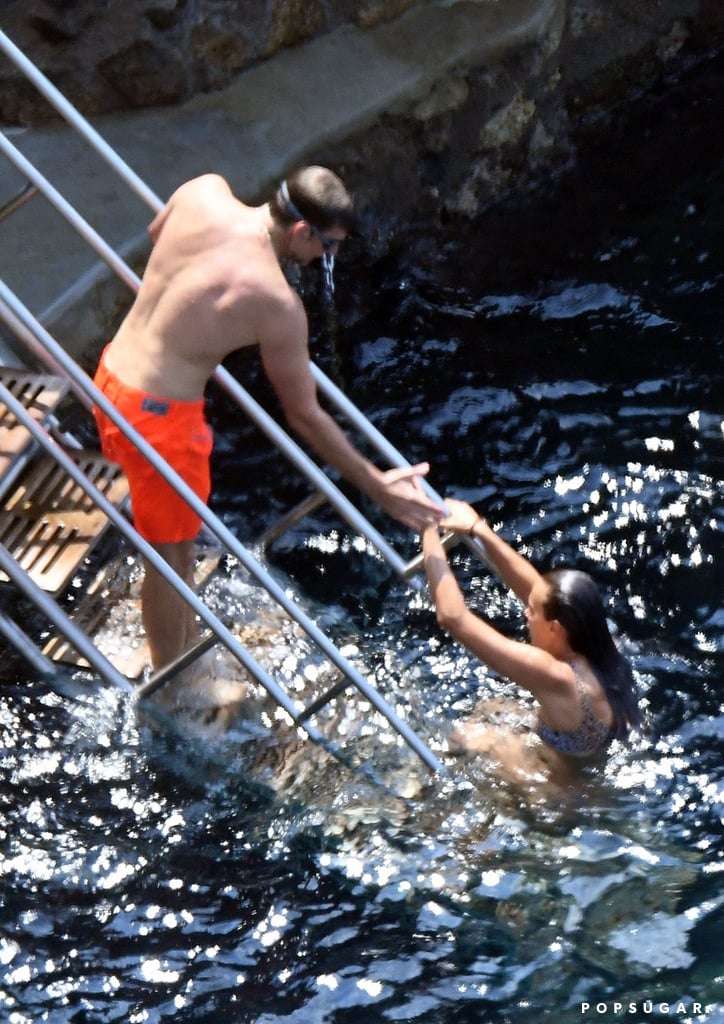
x=49, y=525
x=40, y=395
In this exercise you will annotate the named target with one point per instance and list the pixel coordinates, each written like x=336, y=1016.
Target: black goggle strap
x=291, y=208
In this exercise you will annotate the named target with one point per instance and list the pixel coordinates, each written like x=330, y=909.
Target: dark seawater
x=560, y=365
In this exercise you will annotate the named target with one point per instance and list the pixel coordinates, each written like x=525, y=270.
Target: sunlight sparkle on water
x=269, y=931
x=372, y=988
x=563, y=486
x=659, y=444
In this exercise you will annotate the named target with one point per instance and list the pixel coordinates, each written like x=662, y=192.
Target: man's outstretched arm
x=287, y=367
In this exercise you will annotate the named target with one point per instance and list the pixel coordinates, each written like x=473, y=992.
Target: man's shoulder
x=282, y=319
x=207, y=189
x=209, y=181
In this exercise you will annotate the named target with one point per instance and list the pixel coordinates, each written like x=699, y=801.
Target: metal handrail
x=259, y=416
x=10, y=307
x=124, y=171
x=224, y=535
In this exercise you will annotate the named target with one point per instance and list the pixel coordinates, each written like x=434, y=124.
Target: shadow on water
x=560, y=366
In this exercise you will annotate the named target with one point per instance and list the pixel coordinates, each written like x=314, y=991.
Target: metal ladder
x=44, y=349
x=13, y=312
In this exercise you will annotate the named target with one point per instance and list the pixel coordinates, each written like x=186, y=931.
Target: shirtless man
x=214, y=284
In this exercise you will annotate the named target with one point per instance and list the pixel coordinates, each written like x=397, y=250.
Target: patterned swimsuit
x=590, y=737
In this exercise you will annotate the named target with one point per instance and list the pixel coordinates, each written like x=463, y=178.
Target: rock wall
x=480, y=132
x=433, y=112
x=126, y=54
x=496, y=130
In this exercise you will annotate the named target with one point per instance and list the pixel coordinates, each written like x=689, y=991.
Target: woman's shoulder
x=593, y=696
x=551, y=680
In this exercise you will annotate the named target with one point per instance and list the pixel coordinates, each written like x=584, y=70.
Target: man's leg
x=170, y=623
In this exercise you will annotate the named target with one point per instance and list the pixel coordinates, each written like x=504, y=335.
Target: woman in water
x=584, y=687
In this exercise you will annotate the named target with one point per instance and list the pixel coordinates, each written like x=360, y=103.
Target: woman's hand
x=462, y=516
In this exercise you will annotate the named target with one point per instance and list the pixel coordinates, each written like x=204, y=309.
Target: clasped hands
x=404, y=499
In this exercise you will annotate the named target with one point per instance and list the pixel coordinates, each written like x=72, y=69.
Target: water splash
x=328, y=273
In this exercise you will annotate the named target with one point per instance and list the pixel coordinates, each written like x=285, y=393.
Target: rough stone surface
x=108, y=56
x=113, y=55
x=431, y=111
x=499, y=127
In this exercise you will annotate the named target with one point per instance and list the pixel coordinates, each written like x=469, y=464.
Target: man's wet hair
x=316, y=195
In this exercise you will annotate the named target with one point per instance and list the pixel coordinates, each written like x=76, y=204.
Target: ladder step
x=291, y=518
x=16, y=202
x=417, y=564
x=40, y=395
x=109, y=612
x=324, y=698
x=49, y=524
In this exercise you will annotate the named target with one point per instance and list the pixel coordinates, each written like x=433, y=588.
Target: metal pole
x=82, y=380
x=68, y=111
x=58, y=617
x=66, y=210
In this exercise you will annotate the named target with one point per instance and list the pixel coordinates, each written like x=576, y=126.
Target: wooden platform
x=49, y=524
x=40, y=395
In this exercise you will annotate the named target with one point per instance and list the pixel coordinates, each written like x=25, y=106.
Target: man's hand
x=402, y=497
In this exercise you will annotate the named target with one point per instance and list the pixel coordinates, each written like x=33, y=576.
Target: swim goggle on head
x=329, y=245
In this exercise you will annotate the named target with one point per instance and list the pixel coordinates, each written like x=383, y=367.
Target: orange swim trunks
x=180, y=434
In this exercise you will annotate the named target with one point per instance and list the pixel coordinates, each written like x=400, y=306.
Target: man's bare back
x=213, y=284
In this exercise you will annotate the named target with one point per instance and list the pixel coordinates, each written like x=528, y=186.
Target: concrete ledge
x=271, y=118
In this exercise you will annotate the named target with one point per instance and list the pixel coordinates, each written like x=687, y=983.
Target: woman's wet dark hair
x=575, y=601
